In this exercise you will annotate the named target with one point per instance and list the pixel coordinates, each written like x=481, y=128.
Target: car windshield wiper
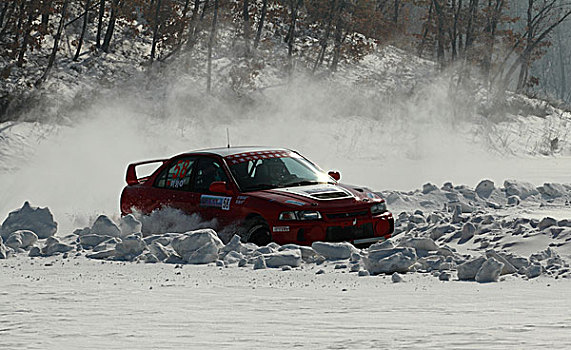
x=258, y=187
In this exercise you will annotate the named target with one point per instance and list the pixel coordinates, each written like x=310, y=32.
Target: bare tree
x=111, y=26
x=261, y=23
x=56, y=45
x=83, y=29
x=210, y=46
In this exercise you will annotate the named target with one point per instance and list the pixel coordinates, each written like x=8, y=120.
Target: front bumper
x=361, y=231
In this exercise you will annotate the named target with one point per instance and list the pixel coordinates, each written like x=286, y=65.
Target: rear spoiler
x=131, y=177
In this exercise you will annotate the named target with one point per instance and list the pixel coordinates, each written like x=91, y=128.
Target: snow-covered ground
x=74, y=303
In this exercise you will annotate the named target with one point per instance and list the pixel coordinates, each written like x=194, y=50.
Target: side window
x=177, y=175
x=208, y=170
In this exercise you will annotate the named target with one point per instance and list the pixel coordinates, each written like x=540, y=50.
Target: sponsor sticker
x=289, y=201
x=215, y=202
x=241, y=200
x=280, y=229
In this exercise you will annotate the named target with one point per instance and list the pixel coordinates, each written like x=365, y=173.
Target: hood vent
x=319, y=192
x=330, y=195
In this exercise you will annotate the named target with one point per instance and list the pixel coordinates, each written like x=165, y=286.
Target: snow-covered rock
x=521, y=189
x=552, y=190
x=467, y=271
x=104, y=226
x=158, y=250
x=198, y=247
x=129, y=248
x=260, y=263
x=419, y=243
x=129, y=225
x=546, y=222
x=287, y=257
x=3, y=250
x=398, y=259
x=428, y=187
x=396, y=278
x=334, y=251
x=236, y=245
x=38, y=220
x=507, y=268
x=485, y=188
x=90, y=240
x=533, y=271
x=21, y=239
x=489, y=271
x=308, y=254
x=54, y=246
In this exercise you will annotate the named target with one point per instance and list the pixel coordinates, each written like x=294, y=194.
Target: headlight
x=378, y=208
x=300, y=215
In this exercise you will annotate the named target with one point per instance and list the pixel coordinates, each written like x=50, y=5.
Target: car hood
x=319, y=194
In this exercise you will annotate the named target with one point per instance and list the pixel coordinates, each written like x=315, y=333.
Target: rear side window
x=177, y=175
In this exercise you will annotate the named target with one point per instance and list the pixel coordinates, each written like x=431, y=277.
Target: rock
x=441, y=230
x=390, y=260
x=388, y=244
x=355, y=268
x=158, y=250
x=104, y=254
x=129, y=248
x=552, y=190
x=232, y=258
x=236, y=245
x=35, y=252
x=364, y=273
x=334, y=251
x=533, y=271
x=468, y=231
x=38, y=220
x=54, y=246
x=444, y=276
x=419, y=243
x=242, y=262
x=287, y=257
x=149, y=258
x=417, y=219
x=104, y=226
x=307, y=253
x=198, y=247
x=520, y=189
x=90, y=240
x=340, y=266
x=3, y=251
x=129, y=225
x=564, y=223
x=516, y=261
x=485, y=189
x=320, y=272
x=21, y=239
x=220, y=263
x=514, y=200
x=428, y=187
x=493, y=205
x=508, y=268
x=467, y=271
x=396, y=278
x=490, y=271
x=546, y=222
x=260, y=263
x=286, y=268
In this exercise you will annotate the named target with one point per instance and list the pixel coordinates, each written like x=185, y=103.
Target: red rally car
x=270, y=194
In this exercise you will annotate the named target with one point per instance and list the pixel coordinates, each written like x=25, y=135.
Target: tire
x=257, y=231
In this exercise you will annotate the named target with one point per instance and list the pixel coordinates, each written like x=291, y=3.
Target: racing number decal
x=215, y=202
x=181, y=168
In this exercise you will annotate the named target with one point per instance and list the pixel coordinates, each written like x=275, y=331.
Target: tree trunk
x=473, y=9
x=325, y=39
x=156, y=26
x=56, y=44
x=338, y=37
x=426, y=29
x=3, y=13
x=261, y=23
x=291, y=32
x=100, y=23
x=397, y=10
x=192, y=26
x=83, y=29
x=440, y=35
x=247, y=27
x=563, y=85
x=110, y=26
x=27, y=30
x=210, y=45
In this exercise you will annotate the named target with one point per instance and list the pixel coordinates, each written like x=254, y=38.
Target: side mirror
x=220, y=187
x=335, y=175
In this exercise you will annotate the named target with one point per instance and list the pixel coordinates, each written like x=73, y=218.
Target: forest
x=518, y=45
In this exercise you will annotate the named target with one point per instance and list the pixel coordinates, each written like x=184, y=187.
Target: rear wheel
x=257, y=231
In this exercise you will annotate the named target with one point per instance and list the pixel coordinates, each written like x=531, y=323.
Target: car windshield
x=274, y=169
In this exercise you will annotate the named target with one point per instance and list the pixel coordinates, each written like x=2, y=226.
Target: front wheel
x=257, y=231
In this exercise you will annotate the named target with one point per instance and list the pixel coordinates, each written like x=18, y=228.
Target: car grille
x=330, y=195
x=347, y=215
x=349, y=233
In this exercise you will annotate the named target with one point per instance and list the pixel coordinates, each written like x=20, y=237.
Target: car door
x=173, y=186
x=212, y=205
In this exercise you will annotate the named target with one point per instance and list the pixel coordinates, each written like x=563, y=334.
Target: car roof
x=228, y=151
